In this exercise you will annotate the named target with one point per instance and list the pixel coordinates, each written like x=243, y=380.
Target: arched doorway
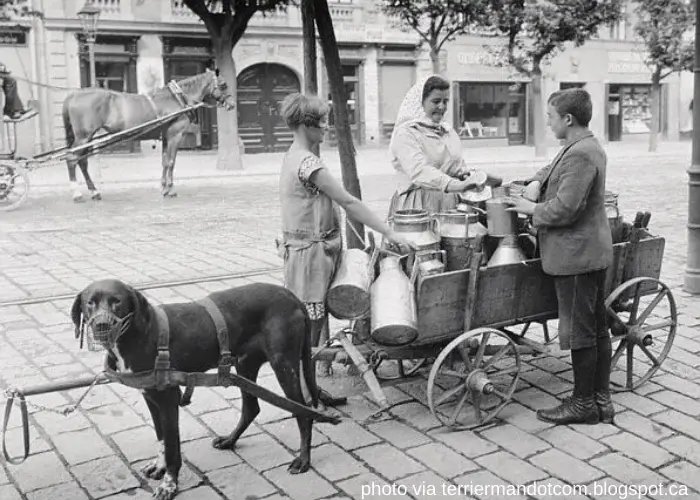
x=261, y=89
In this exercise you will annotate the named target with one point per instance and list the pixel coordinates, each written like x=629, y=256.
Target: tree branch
x=200, y=8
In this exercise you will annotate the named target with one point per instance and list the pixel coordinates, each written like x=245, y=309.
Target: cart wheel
x=14, y=186
x=395, y=369
x=652, y=331
x=484, y=371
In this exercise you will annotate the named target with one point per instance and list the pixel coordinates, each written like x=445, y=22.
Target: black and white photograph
x=349, y=249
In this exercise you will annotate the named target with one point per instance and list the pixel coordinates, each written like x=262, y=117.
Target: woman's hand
x=520, y=205
x=394, y=240
x=532, y=191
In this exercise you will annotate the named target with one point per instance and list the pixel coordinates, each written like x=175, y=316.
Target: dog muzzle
x=105, y=327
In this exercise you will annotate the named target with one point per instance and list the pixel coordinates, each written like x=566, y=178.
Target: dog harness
x=163, y=376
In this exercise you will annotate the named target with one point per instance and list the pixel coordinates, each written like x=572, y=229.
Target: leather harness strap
x=162, y=376
x=162, y=365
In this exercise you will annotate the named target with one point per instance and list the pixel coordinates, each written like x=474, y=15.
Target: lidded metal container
x=394, y=318
x=416, y=226
x=348, y=296
x=457, y=230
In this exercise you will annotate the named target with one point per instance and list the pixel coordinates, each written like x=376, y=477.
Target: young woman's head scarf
x=411, y=110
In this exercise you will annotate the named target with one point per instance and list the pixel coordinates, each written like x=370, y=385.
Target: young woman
x=427, y=152
x=310, y=223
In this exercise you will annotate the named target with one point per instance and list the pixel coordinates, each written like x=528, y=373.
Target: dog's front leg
x=169, y=461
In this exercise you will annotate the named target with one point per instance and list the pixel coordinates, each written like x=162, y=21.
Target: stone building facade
x=143, y=44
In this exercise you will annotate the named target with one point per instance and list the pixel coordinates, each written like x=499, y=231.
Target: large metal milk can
x=457, y=231
x=348, y=296
x=417, y=227
x=394, y=315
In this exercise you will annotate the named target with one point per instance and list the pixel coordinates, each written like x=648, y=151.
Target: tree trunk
x=310, y=59
x=435, y=61
x=538, y=121
x=346, y=148
x=229, y=157
x=655, y=101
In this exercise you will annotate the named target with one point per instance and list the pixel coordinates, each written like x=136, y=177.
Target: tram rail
x=146, y=286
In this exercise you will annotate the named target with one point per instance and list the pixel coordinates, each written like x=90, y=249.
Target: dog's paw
x=154, y=469
x=299, y=466
x=223, y=443
x=167, y=489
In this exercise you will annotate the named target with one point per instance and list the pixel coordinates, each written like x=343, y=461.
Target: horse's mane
x=194, y=83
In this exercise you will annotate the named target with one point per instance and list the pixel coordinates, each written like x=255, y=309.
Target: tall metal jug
x=417, y=227
x=394, y=315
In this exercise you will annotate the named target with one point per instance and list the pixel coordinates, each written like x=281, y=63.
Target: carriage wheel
x=14, y=186
x=646, y=337
x=480, y=367
x=395, y=369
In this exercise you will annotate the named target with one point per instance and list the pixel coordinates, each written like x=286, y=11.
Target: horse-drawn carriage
x=165, y=112
x=466, y=320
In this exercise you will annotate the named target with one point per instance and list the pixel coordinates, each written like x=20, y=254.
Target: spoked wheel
x=643, y=318
x=480, y=367
x=14, y=186
x=395, y=369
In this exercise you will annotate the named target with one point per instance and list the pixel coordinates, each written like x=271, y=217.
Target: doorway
x=261, y=89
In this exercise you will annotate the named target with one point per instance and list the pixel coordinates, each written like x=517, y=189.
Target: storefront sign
x=13, y=38
x=626, y=62
x=482, y=58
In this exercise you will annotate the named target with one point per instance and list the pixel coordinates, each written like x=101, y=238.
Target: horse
x=88, y=110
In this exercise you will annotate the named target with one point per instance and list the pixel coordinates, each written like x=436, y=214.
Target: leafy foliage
x=537, y=30
x=437, y=21
x=12, y=10
x=228, y=19
x=662, y=24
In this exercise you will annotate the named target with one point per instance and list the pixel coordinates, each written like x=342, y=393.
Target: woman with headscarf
x=426, y=152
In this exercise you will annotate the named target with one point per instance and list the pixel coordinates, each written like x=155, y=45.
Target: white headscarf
x=411, y=109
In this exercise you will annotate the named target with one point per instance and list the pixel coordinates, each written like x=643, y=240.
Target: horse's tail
x=70, y=135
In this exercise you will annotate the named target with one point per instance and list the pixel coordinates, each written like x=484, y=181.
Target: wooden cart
x=466, y=321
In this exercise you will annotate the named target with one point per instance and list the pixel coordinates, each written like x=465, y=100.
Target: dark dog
x=264, y=322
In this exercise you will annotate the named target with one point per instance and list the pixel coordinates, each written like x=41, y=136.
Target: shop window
x=490, y=110
x=636, y=109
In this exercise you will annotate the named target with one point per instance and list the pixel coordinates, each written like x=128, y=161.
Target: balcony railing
x=108, y=7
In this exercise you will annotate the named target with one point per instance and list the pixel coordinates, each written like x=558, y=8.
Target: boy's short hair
x=300, y=109
x=435, y=82
x=574, y=102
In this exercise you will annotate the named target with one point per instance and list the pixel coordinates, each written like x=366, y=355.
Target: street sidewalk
x=146, y=166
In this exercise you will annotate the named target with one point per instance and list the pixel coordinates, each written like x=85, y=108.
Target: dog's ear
x=76, y=313
x=141, y=310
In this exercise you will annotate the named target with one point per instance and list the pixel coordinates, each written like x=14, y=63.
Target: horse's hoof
x=78, y=199
x=97, y=197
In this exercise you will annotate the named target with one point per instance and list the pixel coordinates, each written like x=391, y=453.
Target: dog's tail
x=307, y=364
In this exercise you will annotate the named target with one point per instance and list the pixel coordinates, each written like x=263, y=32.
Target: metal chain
x=64, y=411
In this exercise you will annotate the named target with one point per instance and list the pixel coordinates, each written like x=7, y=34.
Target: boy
x=567, y=202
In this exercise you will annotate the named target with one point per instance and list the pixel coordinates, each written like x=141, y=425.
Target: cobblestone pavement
x=226, y=226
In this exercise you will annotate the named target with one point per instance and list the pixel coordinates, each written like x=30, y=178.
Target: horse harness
x=181, y=99
x=162, y=376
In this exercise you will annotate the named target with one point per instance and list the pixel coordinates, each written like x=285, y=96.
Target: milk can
x=457, y=231
x=393, y=310
x=348, y=296
x=417, y=227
